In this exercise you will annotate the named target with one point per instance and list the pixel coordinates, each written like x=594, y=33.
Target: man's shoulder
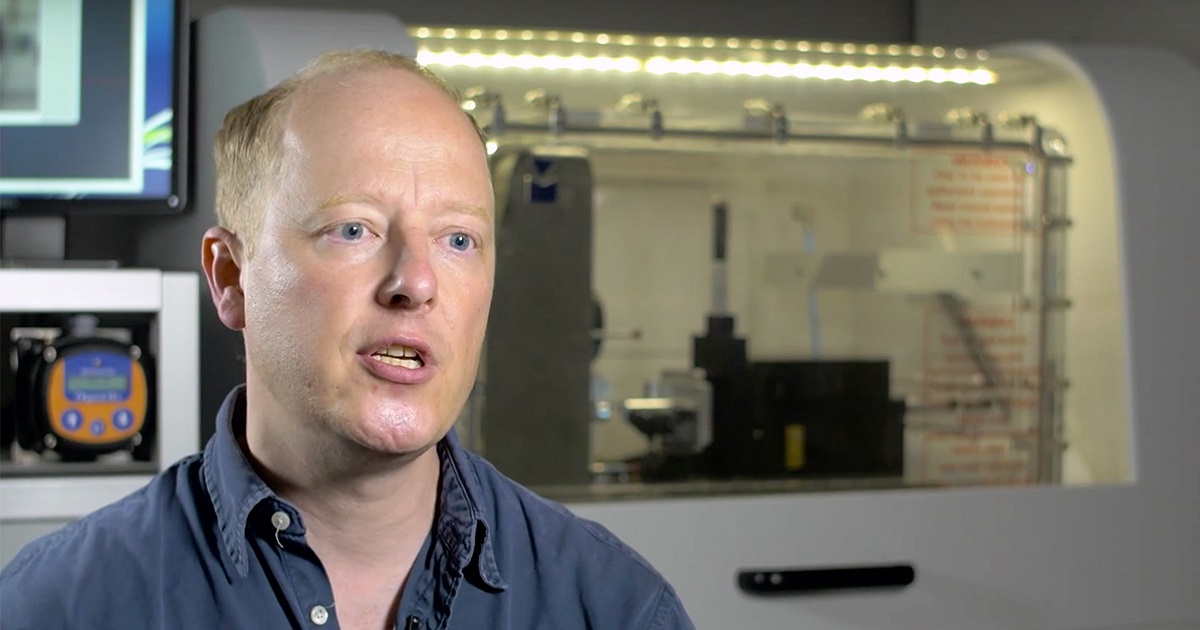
x=103, y=543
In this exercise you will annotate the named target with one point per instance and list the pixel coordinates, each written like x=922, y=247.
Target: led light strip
x=662, y=41
x=708, y=67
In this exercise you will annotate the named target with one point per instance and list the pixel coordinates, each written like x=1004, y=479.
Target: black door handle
x=802, y=581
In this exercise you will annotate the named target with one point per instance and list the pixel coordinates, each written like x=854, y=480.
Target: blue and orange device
x=84, y=396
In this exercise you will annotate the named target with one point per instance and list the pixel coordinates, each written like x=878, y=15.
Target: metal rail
x=901, y=139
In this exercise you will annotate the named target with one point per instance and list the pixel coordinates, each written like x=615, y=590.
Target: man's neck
x=366, y=514
x=358, y=506
x=372, y=520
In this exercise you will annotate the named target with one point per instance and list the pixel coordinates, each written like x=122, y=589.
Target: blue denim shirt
x=198, y=547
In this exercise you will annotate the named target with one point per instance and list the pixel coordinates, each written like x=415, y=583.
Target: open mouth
x=399, y=356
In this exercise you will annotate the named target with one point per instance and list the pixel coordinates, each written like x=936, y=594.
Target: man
x=356, y=254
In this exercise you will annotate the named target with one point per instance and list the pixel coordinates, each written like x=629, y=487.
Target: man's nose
x=411, y=282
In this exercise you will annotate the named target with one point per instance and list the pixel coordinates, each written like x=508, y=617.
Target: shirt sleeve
x=669, y=613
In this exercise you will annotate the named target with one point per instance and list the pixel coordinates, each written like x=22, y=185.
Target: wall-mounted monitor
x=93, y=106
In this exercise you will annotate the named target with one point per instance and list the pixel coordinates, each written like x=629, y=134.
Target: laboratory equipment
x=156, y=312
x=531, y=408
x=80, y=394
x=675, y=414
x=911, y=202
x=819, y=417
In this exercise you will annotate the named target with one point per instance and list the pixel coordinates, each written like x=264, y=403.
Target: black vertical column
x=722, y=356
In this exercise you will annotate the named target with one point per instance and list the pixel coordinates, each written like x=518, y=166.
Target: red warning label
x=976, y=414
x=957, y=459
x=969, y=192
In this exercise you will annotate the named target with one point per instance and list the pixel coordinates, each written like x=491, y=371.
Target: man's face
x=366, y=300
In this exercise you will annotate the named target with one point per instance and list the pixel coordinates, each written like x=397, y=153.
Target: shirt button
x=281, y=520
x=319, y=615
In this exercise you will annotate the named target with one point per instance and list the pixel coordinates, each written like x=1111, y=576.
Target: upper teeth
x=400, y=352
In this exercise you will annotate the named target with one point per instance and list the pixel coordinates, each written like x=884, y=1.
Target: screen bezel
x=177, y=199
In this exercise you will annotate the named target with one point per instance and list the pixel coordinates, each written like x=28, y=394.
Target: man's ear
x=221, y=257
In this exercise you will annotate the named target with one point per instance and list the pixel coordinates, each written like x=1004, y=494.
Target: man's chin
x=375, y=453
x=392, y=428
x=389, y=440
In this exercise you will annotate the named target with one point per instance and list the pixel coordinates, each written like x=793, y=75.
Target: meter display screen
x=97, y=377
x=97, y=383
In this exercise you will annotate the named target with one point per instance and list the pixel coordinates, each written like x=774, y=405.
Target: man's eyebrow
x=338, y=199
x=473, y=209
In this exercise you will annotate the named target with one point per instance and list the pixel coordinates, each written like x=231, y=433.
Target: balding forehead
x=333, y=84
x=336, y=81
x=359, y=124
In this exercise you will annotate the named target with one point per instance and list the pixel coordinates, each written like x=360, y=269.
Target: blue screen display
x=97, y=377
x=87, y=101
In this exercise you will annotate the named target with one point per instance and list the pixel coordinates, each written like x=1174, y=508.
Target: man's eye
x=351, y=231
x=461, y=242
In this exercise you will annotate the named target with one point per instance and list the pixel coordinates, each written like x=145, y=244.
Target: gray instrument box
x=535, y=372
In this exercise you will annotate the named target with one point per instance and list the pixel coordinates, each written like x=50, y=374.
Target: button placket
x=294, y=565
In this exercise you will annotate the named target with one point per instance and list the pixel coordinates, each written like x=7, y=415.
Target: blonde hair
x=248, y=148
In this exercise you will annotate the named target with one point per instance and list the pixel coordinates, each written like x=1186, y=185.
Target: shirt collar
x=231, y=482
x=461, y=526
x=235, y=489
